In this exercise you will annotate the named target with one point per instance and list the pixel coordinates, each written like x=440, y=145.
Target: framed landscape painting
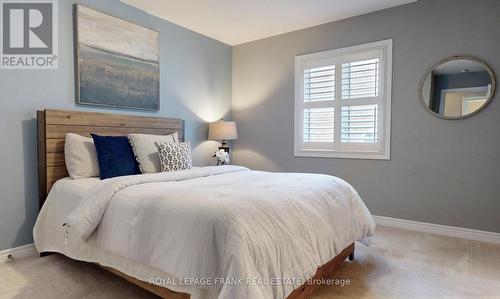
x=117, y=62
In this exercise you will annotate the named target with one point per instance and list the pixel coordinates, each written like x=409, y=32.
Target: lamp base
x=224, y=146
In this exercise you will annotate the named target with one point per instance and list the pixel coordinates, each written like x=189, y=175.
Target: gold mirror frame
x=488, y=69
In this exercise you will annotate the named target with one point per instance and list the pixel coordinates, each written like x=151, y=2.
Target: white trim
x=383, y=151
x=317, y=153
x=18, y=252
x=443, y=230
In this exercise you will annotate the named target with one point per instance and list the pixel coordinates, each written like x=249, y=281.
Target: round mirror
x=457, y=87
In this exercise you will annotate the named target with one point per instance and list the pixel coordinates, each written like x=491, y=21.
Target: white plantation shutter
x=343, y=102
x=359, y=124
x=361, y=84
x=319, y=94
x=319, y=125
x=360, y=79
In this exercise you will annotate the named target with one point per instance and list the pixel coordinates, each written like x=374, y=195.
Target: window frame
x=381, y=150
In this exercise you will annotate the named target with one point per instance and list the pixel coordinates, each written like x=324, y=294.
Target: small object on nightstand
x=222, y=157
x=222, y=131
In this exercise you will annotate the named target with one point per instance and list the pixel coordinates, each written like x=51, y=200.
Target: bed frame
x=52, y=128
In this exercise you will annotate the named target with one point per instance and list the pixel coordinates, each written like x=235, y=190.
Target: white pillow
x=80, y=156
x=146, y=152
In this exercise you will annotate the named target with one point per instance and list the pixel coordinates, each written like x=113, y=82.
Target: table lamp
x=223, y=131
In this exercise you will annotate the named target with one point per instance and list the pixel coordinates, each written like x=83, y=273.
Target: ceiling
x=238, y=21
x=458, y=66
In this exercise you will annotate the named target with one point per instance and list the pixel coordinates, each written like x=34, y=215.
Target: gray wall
x=444, y=172
x=195, y=76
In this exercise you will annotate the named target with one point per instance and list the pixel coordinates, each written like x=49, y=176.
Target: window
x=343, y=102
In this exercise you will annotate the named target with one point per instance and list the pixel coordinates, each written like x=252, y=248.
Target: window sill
x=343, y=155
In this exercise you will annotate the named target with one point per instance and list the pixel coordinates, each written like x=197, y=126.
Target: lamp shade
x=222, y=130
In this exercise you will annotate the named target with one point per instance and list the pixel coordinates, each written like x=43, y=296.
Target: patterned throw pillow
x=174, y=156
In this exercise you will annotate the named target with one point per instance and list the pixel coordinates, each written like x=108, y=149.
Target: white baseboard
x=444, y=230
x=18, y=252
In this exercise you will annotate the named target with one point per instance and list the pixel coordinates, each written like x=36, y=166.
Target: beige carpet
x=398, y=264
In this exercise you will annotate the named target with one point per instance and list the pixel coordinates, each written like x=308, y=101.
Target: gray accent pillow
x=145, y=150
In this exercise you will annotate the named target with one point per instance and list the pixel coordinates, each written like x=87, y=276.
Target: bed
x=208, y=232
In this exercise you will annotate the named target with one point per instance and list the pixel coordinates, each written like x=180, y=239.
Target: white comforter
x=225, y=224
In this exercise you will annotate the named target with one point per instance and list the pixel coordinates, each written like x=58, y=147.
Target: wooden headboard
x=54, y=124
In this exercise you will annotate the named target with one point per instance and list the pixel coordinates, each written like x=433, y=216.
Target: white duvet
x=236, y=232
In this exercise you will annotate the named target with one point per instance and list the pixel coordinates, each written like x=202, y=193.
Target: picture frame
x=116, y=61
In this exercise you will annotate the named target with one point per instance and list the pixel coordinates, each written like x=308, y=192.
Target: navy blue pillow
x=115, y=156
